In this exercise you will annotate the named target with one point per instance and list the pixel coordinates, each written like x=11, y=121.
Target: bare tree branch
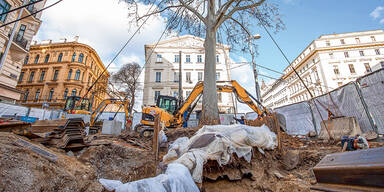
x=194, y=11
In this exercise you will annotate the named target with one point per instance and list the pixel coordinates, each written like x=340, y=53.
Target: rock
x=370, y=135
x=312, y=133
x=291, y=159
x=278, y=175
x=70, y=153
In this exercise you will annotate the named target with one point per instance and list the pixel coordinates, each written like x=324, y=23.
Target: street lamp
x=257, y=87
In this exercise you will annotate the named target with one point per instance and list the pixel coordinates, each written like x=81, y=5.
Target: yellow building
x=54, y=71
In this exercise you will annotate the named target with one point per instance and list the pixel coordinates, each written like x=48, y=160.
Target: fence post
x=357, y=86
x=155, y=138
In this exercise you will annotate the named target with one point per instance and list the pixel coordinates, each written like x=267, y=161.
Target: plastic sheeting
x=176, y=179
x=298, y=117
x=10, y=109
x=372, y=90
x=218, y=142
x=344, y=101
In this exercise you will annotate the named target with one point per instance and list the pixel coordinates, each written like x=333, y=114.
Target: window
x=351, y=68
x=175, y=94
x=82, y=77
x=342, y=41
x=4, y=7
x=367, y=67
x=20, y=33
x=159, y=58
x=26, y=95
x=46, y=59
x=69, y=74
x=199, y=76
x=377, y=51
x=346, y=54
x=157, y=94
x=55, y=75
x=188, y=77
x=217, y=76
x=199, y=59
x=42, y=74
x=336, y=70
x=331, y=55
x=66, y=93
x=21, y=76
x=26, y=60
x=217, y=59
x=361, y=53
x=37, y=94
x=176, y=76
x=31, y=76
x=81, y=57
x=219, y=97
x=50, y=94
x=327, y=43
x=30, y=7
x=357, y=40
x=77, y=75
x=158, y=77
x=85, y=62
x=373, y=38
x=74, y=92
x=37, y=59
x=74, y=57
x=60, y=57
x=188, y=58
x=177, y=58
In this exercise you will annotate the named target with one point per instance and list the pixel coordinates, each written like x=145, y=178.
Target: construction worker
x=354, y=143
x=241, y=120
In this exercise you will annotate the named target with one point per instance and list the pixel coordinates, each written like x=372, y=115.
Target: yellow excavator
x=82, y=108
x=101, y=107
x=172, y=115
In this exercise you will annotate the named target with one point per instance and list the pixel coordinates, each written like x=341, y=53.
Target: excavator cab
x=82, y=108
x=167, y=103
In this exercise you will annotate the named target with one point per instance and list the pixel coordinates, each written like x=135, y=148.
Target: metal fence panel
x=10, y=109
x=372, y=90
x=299, y=119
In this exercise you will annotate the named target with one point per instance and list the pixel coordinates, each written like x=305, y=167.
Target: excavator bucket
x=361, y=170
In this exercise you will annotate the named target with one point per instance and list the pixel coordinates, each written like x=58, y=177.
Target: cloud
x=377, y=12
x=104, y=25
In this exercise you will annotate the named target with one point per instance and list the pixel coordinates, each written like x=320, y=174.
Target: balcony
x=30, y=10
x=20, y=41
x=18, y=48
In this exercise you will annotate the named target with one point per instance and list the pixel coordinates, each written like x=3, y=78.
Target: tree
x=125, y=83
x=212, y=20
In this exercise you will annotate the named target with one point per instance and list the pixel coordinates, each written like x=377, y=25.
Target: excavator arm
x=101, y=107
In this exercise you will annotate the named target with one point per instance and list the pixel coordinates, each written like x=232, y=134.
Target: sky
x=104, y=25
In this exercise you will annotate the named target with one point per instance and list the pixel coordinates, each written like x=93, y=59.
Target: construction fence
x=13, y=110
x=362, y=99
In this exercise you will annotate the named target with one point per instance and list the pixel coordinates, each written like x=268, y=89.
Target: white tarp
x=219, y=142
x=176, y=179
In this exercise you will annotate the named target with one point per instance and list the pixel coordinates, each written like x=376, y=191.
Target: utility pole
x=2, y=61
x=180, y=81
x=257, y=87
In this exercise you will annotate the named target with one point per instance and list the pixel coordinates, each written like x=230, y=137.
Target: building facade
x=54, y=71
x=162, y=69
x=25, y=30
x=275, y=94
x=332, y=61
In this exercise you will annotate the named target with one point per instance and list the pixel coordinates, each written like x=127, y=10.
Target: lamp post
x=257, y=87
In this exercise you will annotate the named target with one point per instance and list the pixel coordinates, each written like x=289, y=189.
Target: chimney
x=63, y=40
x=76, y=38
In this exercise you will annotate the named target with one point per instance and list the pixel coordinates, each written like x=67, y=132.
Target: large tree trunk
x=210, y=115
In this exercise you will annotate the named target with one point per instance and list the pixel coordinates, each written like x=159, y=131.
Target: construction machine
x=82, y=108
x=172, y=115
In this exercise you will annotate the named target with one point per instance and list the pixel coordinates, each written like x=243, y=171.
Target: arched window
x=26, y=95
x=26, y=60
x=50, y=94
x=37, y=95
x=46, y=59
x=37, y=59
x=69, y=74
x=66, y=93
x=81, y=57
x=82, y=77
x=60, y=57
x=77, y=75
x=73, y=56
x=74, y=91
x=86, y=57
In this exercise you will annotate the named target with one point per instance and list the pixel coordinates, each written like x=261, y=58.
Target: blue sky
x=306, y=20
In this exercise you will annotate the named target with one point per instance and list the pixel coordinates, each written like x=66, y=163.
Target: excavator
x=171, y=115
x=82, y=108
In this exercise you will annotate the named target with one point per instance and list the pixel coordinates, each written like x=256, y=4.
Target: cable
x=17, y=8
x=34, y=13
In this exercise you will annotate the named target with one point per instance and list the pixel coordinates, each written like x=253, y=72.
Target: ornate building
x=54, y=71
x=162, y=69
x=25, y=30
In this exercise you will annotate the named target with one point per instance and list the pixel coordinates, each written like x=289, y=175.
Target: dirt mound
x=22, y=169
x=173, y=134
x=119, y=162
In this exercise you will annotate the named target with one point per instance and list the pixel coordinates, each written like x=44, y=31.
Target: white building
x=24, y=32
x=275, y=94
x=331, y=61
x=162, y=69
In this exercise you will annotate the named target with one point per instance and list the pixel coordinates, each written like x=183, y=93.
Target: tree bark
x=210, y=114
